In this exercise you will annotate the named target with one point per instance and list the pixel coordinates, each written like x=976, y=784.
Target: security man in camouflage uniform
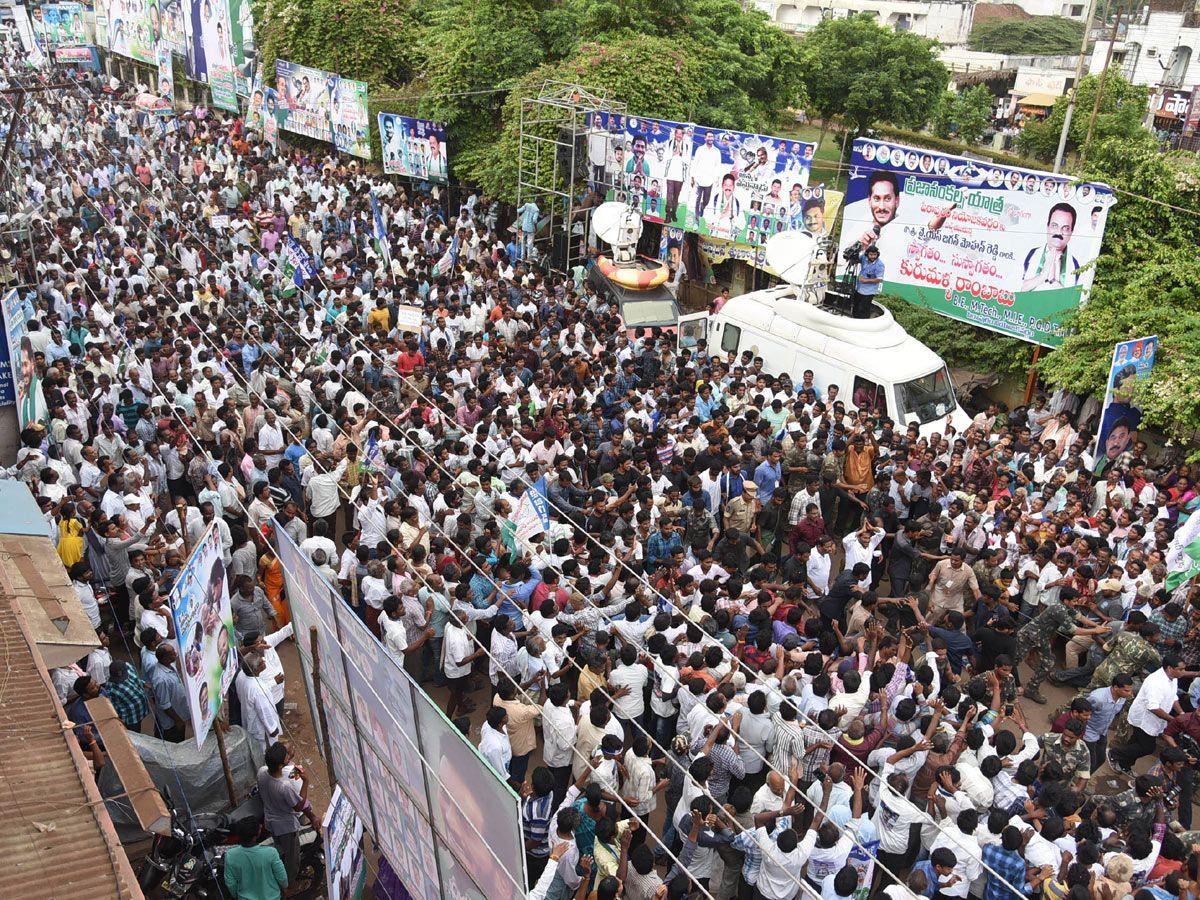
x=1130, y=652
x=1036, y=635
x=1068, y=750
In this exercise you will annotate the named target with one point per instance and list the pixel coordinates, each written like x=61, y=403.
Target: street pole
x=1112, y=42
x=1062, y=138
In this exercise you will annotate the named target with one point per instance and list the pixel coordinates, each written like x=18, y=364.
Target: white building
x=948, y=21
x=1161, y=48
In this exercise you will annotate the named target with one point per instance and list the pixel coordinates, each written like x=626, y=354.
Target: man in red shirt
x=409, y=358
x=856, y=745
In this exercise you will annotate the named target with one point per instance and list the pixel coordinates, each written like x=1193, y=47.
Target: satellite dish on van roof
x=619, y=225
x=790, y=253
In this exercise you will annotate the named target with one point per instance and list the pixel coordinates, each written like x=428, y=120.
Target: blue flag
x=379, y=232
x=299, y=264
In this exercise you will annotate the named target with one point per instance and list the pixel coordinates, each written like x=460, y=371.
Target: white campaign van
x=867, y=359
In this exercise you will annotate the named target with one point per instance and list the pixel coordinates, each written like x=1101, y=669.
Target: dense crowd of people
x=768, y=641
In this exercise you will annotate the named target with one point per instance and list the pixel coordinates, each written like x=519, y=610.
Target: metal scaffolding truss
x=552, y=166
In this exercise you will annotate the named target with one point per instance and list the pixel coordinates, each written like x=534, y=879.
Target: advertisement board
x=385, y=731
x=129, y=31
x=29, y=43
x=167, y=25
x=1006, y=249
x=245, y=51
x=85, y=56
x=25, y=387
x=204, y=628
x=475, y=813
x=413, y=147
x=166, y=73
x=345, y=863
x=1119, y=421
x=59, y=25
x=100, y=10
x=1170, y=105
x=323, y=106
x=210, y=51
x=718, y=183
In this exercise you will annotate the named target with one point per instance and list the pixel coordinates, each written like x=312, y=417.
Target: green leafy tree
x=858, y=70
x=369, y=40
x=1038, y=35
x=1120, y=115
x=1146, y=282
x=965, y=116
x=647, y=73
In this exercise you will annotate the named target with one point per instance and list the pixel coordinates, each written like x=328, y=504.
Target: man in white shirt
x=628, y=682
x=1149, y=713
x=493, y=740
x=259, y=716
x=558, y=731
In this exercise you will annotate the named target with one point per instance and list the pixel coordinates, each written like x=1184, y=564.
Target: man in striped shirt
x=537, y=808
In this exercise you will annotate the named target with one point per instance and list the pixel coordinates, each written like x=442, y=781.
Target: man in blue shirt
x=869, y=284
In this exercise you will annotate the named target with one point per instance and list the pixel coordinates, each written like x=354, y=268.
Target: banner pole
x=1037, y=352
x=219, y=731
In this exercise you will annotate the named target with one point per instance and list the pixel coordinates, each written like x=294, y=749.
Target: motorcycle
x=190, y=862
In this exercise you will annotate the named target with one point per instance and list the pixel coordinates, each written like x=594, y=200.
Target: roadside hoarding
x=166, y=73
x=324, y=106
x=345, y=862
x=25, y=386
x=394, y=751
x=1120, y=418
x=167, y=25
x=719, y=183
x=245, y=51
x=204, y=631
x=129, y=30
x=415, y=148
x=1006, y=249
x=210, y=51
x=60, y=25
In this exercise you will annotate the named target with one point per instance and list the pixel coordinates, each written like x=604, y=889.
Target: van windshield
x=929, y=397
x=648, y=312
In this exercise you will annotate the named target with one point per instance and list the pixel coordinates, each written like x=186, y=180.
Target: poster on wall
x=60, y=25
x=345, y=862
x=245, y=51
x=1119, y=421
x=718, y=183
x=204, y=628
x=1006, y=249
x=415, y=148
x=129, y=31
x=166, y=73
x=26, y=381
x=323, y=106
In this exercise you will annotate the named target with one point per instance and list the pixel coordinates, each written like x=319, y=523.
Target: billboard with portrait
x=204, y=629
x=345, y=862
x=475, y=813
x=210, y=50
x=415, y=148
x=324, y=106
x=1121, y=417
x=60, y=25
x=725, y=184
x=245, y=51
x=129, y=31
x=1007, y=249
x=26, y=380
x=167, y=26
x=166, y=73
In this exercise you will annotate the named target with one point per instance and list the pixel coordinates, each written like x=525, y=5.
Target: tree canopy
x=1120, y=116
x=965, y=116
x=1038, y=35
x=866, y=73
